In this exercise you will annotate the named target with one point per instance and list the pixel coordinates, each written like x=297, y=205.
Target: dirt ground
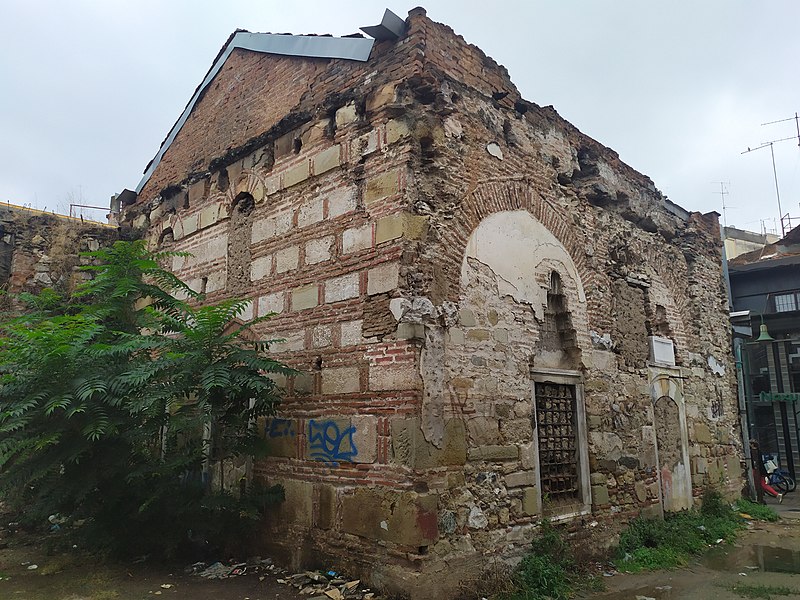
x=76, y=578
x=767, y=554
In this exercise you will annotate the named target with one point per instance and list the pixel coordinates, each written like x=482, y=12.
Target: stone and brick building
x=497, y=320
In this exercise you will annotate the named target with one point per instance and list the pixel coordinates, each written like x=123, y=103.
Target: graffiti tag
x=277, y=428
x=329, y=444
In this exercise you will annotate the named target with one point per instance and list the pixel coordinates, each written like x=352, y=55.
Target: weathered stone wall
x=40, y=249
x=646, y=268
x=430, y=246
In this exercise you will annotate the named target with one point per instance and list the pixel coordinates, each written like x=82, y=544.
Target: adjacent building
x=765, y=286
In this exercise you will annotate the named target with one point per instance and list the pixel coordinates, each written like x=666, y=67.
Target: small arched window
x=166, y=238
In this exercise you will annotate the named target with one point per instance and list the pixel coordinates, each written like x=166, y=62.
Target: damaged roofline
x=349, y=48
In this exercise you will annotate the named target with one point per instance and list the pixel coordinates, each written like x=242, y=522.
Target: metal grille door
x=557, y=430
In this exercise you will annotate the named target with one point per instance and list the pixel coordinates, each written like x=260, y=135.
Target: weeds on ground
x=548, y=571
x=650, y=544
x=765, y=592
x=760, y=512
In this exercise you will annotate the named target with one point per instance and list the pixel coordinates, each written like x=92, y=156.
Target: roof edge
x=311, y=46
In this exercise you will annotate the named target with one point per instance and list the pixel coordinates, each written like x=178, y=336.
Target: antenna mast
x=796, y=118
x=774, y=173
x=723, y=192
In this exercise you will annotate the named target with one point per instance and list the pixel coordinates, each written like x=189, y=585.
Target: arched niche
x=515, y=246
x=672, y=443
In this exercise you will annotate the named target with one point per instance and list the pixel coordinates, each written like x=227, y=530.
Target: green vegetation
x=548, y=571
x=650, y=544
x=766, y=592
x=760, y=512
x=115, y=400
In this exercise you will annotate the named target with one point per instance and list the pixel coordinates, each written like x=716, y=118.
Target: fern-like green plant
x=105, y=394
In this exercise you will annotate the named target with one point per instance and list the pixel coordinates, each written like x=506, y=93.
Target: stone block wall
x=431, y=248
x=40, y=249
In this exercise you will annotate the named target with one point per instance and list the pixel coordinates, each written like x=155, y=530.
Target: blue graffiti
x=277, y=428
x=328, y=444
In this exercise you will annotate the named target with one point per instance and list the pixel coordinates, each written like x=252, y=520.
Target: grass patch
x=760, y=512
x=765, y=592
x=650, y=544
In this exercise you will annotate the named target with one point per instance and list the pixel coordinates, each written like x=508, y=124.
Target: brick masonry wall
x=402, y=225
x=277, y=93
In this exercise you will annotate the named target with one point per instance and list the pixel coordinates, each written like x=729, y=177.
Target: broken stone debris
x=220, y=570
x=328, y=586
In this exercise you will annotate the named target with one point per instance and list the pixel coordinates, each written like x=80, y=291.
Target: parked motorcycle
x=778, y=478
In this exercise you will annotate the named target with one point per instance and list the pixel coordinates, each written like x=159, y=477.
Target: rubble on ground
x=319, y=586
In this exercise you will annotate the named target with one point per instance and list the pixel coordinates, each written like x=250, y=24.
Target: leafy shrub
x=104, y=398
x=548, y=571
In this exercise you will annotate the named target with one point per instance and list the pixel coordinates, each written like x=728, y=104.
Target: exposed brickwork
x=404, y=231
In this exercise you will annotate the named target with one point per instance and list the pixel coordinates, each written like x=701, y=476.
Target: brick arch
x=488, y=198
x=674, y=278
x=250, y=182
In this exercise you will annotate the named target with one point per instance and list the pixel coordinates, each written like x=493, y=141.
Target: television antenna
x=723, y=192
x=796, y=118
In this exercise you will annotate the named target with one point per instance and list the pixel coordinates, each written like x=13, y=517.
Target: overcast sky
x=679, y=88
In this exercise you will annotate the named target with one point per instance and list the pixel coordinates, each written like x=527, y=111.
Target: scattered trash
x=166, y=586
x=195, y=568
x=32, y=567
x=317, y=585
x=719, y=541
x=216, y=571
x=743, y=574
